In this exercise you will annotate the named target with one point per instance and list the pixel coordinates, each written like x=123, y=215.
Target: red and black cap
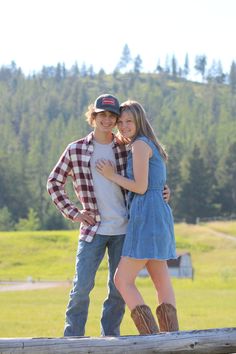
x=107, y=102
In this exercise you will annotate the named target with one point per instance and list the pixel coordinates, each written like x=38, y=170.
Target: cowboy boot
x=167, y=318
x=144, y=320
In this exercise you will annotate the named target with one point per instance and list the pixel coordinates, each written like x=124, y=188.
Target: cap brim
x=109, y=109
x=97, y=110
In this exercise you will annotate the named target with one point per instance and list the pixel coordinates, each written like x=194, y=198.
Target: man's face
x=105, y=121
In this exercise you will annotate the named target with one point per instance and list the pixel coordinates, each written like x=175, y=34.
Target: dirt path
x=22, y=286
x=221, y=234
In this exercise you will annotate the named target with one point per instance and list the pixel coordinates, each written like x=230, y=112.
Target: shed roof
x=176, y=262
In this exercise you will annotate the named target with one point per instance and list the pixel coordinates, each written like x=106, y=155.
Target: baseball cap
x=107, y=102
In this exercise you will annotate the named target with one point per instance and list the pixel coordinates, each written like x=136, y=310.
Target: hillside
x=40, y=115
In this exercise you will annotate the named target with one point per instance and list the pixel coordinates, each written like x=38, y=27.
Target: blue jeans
x=88, y=259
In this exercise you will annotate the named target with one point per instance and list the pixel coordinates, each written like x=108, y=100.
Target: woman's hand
x=106, y=168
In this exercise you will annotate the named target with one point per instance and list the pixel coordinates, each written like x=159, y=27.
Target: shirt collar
x=117, y=142
x=89, y=138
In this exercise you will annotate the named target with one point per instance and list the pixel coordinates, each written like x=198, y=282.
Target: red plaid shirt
x=75, y=162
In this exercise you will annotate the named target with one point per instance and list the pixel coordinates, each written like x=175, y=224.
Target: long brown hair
x=143, y=126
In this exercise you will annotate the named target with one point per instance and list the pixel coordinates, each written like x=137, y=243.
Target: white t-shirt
x=108, y=194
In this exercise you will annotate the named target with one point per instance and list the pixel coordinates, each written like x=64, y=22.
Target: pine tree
x=137, y=64
x=232, y=77
x=167, y=65
x=174, y=66
x=125, y=58
x=200, y=64
x=186, y=66
x=74, y=70
x=195, y=199
x=6, y=221
x=215, y=73
x=175, y=153
x=30, y=223
x=228, y=178
x=159, y=68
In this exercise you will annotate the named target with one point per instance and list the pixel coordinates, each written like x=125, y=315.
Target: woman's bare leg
x=124, y=279
x=159, y=273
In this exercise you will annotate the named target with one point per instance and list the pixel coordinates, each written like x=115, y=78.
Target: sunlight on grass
x=228, y=227
x=208, y=301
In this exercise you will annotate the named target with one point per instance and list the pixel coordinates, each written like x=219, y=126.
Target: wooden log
x=218, y=340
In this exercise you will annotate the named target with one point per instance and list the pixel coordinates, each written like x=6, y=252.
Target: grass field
x=206, y=302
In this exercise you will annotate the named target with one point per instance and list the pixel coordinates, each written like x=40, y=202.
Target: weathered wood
x=218, y=340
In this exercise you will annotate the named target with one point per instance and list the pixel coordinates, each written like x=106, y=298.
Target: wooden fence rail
x=217, y=340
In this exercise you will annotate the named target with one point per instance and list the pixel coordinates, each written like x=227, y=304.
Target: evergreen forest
x=41, y=113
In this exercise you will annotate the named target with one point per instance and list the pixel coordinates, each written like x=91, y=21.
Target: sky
x=34, y=33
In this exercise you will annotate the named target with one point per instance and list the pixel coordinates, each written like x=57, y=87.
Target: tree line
x=41, y=113
x=209, y=72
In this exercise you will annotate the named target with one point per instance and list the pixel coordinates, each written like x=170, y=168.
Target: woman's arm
x=141, y=154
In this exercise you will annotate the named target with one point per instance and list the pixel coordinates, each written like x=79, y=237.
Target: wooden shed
x=181, y=267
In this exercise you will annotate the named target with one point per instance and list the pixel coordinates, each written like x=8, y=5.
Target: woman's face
x=126, y=125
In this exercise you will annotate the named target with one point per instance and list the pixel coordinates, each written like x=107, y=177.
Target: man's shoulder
x=81, y=143
x=121, y=148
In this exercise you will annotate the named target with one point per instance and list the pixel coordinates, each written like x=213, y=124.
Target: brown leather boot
x=144, y=320
x=167, y=318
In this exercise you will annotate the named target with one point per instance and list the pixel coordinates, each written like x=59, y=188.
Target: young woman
x=149, y=239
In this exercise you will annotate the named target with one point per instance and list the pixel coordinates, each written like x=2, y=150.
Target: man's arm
x=56, y=188
x=166, y=193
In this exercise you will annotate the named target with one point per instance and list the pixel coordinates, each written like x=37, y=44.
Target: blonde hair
x=143, y=126
x=90, y=115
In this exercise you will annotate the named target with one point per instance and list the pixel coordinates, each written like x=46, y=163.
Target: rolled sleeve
x=56, y=186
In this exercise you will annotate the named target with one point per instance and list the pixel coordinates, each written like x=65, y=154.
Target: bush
x=32, y=223
x=6, y=222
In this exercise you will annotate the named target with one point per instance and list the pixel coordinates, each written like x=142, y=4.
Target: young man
x=103, y=217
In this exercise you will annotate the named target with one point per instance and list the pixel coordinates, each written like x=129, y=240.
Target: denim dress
x=150, y=231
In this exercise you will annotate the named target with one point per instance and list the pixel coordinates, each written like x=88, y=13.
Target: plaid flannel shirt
x=75, y=162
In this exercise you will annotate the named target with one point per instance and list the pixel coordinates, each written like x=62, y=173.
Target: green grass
x=48, y=255
x=41, y=313
x=225, y=227
x=206, y=302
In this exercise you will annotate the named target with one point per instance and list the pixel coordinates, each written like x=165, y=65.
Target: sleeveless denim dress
x=150, y=231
